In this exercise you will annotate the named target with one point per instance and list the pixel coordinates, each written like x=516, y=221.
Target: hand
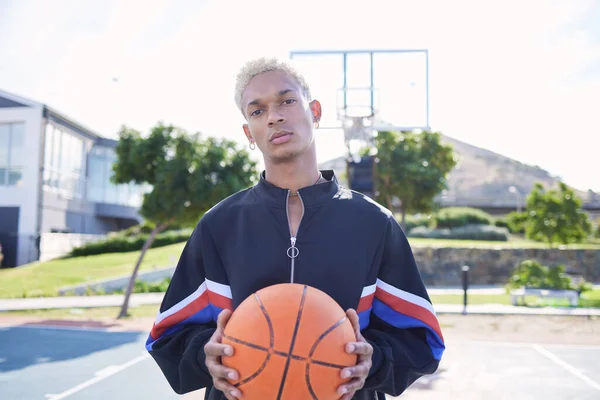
x=360, y=371
x=214, y=350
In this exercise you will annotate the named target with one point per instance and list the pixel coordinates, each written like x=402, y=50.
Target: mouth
x=281, y=136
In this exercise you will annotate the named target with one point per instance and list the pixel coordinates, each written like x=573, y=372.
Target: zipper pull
x=293, y=251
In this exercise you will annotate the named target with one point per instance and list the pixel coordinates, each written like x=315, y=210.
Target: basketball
x=289, y=343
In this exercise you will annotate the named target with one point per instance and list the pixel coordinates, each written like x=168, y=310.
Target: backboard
x=392, y=86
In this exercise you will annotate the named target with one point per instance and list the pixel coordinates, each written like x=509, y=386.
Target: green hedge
x=122, y=244
x=452, y=217
x=532, y=274
x=517, y=221
x=467, y=232
x=415, y=221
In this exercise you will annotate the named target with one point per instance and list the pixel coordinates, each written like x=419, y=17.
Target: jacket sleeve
x=187, y=316
x=403, y=328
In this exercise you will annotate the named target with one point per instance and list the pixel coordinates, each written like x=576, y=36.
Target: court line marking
x=566, y=366
x=100, y=375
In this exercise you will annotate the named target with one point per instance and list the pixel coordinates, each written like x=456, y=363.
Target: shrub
x=532, y=274
x=143, y=228
x=481, y=232
x=151, y=287
x=502, y=223
x=516, y=221
x=430, y=233
x=467, y=232
x=413, y=221
x=452, y=217
x=122, y=244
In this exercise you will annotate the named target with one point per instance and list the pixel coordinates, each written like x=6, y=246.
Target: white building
x=54, y=183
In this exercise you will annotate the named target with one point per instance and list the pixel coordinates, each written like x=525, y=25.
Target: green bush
x=413, y=221
x=144, y=228
x=430, y=233
x=122, y=244
x=151, y=287
x=452, y=217
x=145, y=287
x=467, y=232
x=532, y=274
x=501, y=223
x=516, y=221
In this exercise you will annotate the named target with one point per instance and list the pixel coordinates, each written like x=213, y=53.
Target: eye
x=254, y=113
x=289, y=101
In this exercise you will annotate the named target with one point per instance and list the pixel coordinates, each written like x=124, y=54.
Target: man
x=296, y=225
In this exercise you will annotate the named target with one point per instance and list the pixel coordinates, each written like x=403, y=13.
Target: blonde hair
x=262, y=65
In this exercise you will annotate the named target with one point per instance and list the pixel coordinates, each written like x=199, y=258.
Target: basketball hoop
x=356, y=111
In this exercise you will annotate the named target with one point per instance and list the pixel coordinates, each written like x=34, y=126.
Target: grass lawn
x=45, y=279
x=588, y=299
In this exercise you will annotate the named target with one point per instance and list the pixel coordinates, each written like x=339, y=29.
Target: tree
x=555, y=216
x=187, y=175
x=411, y=166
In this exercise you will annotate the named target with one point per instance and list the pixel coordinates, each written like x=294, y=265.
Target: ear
x=315, y=108
x=247, y=132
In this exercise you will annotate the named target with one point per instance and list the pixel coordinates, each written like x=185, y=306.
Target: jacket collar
x=310, y=195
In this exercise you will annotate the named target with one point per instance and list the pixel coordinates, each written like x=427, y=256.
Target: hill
x=483, y=177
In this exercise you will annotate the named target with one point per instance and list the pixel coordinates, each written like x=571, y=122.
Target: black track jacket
x=347, y=245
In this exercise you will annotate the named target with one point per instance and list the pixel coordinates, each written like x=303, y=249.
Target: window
x=101, y=189
x=63, y=163
x=12, y=141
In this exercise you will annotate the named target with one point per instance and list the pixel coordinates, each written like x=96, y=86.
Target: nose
x=275, y=117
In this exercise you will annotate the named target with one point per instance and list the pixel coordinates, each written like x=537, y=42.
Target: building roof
x=12, y=100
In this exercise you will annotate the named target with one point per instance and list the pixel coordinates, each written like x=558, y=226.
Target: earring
x=316, y=124
x=252, y=145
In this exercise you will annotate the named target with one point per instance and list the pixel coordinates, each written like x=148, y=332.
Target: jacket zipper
x=293, y=251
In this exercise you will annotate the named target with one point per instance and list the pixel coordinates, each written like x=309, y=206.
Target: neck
x=292, y=175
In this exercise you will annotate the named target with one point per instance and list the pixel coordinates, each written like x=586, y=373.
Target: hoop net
x=356, y=111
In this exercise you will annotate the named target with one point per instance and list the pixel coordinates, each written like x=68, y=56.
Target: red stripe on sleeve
x=220, y=300
x=365, y=303
x=181, y=315
x=412, y=310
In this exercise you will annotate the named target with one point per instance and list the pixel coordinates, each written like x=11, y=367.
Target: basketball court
x=52, y=363
x=361, y=91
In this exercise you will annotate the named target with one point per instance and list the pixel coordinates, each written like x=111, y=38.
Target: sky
x=521, y=78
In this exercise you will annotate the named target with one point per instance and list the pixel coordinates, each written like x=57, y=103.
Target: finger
x=217, y=370
x=352, y=386
x=230, y=391
x=347, y=396
x=358, y=371
x=215, y=349
x=362, y=348
x=223, y=318
x=353, y=317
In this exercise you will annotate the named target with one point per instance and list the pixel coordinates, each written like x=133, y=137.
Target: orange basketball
x=289, y=343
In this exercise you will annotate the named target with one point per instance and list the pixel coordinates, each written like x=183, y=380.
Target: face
x=279, y=117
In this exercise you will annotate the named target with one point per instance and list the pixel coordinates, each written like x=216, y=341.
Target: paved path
x=112, y=300
x=138, y=299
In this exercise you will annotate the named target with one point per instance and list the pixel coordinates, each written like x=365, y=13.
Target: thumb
x=222, y=319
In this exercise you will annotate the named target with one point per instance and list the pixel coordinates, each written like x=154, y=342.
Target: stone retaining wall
x=442, y=266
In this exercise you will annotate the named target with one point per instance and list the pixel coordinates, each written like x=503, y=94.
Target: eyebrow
x=280, y=93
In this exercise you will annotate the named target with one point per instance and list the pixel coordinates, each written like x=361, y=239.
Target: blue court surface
x=51, y=363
